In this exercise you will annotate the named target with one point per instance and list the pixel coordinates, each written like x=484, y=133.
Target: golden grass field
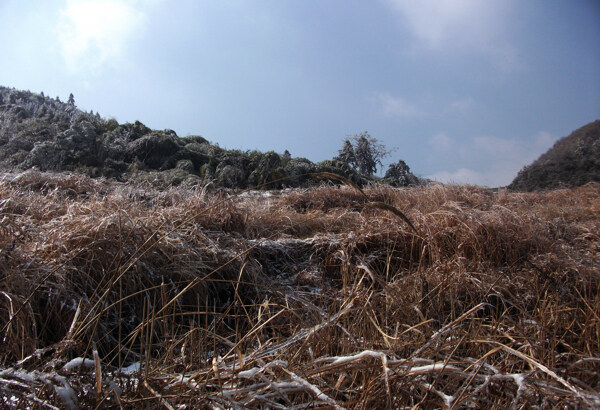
x=122, y=296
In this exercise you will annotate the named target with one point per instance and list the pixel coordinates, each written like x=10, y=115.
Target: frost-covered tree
x=363, y=152
x=365, y=155
x=400, y=175
x=346, y=154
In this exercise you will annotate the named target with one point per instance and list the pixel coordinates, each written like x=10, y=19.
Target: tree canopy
x=363, y=153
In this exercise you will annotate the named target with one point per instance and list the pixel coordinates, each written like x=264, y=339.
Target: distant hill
x=572, y=161
x=51, y=135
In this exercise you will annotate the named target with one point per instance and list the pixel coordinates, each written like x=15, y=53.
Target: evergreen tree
x=71, y=99
x=346, y=154
x=365, y=154
x=400, y=174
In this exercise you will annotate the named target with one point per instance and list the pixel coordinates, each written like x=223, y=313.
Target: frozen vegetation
x=129, y=295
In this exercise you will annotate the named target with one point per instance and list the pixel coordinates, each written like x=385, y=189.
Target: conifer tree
x=346, y=154
x=363, y=153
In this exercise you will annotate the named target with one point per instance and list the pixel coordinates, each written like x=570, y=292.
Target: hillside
x=50, y=135
x=572, y=161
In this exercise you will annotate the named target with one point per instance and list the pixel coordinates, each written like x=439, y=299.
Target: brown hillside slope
x=572, y=161
x=310, y=298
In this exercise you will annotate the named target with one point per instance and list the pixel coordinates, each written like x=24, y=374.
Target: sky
x=467, y=91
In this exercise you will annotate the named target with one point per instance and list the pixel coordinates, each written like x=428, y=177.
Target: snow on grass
x=78, y=363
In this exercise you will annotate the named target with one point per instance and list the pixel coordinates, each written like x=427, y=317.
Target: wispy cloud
x=497, y=160
x=495, y=176
x=392, y=106
x=462, y=105
x=463, y=26
x=462, y=176
x=94, y=34
x=440, y=141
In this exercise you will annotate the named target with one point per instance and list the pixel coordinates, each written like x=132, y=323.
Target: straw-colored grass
x=306, y=298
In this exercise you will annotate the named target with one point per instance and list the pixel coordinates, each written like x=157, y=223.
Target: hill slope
x=303, y=299
x=50, y=135
x=572, y=161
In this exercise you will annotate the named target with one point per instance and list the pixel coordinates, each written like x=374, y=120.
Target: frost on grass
x=303, y=298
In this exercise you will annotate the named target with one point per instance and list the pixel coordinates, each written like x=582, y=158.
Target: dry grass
x=300, y=299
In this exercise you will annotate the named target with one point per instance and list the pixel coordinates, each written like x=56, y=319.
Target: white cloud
x=486, y=160
x=497, y=175
x=495, y=147
x=462, y=105
x=397, y=106
x=440, y=142
x=464, y=26
x=460, y=176
x=94, y=34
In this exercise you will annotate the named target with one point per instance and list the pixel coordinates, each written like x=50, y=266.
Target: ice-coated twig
x=435, y=368
x=158, y=396
x=338, y=360
x=250, y=373
x=8, y=382
x=447, y=399
x=545, y=370
x=311, y=387
x=386, y=378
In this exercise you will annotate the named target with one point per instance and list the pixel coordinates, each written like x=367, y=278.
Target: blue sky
x=469, y=91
